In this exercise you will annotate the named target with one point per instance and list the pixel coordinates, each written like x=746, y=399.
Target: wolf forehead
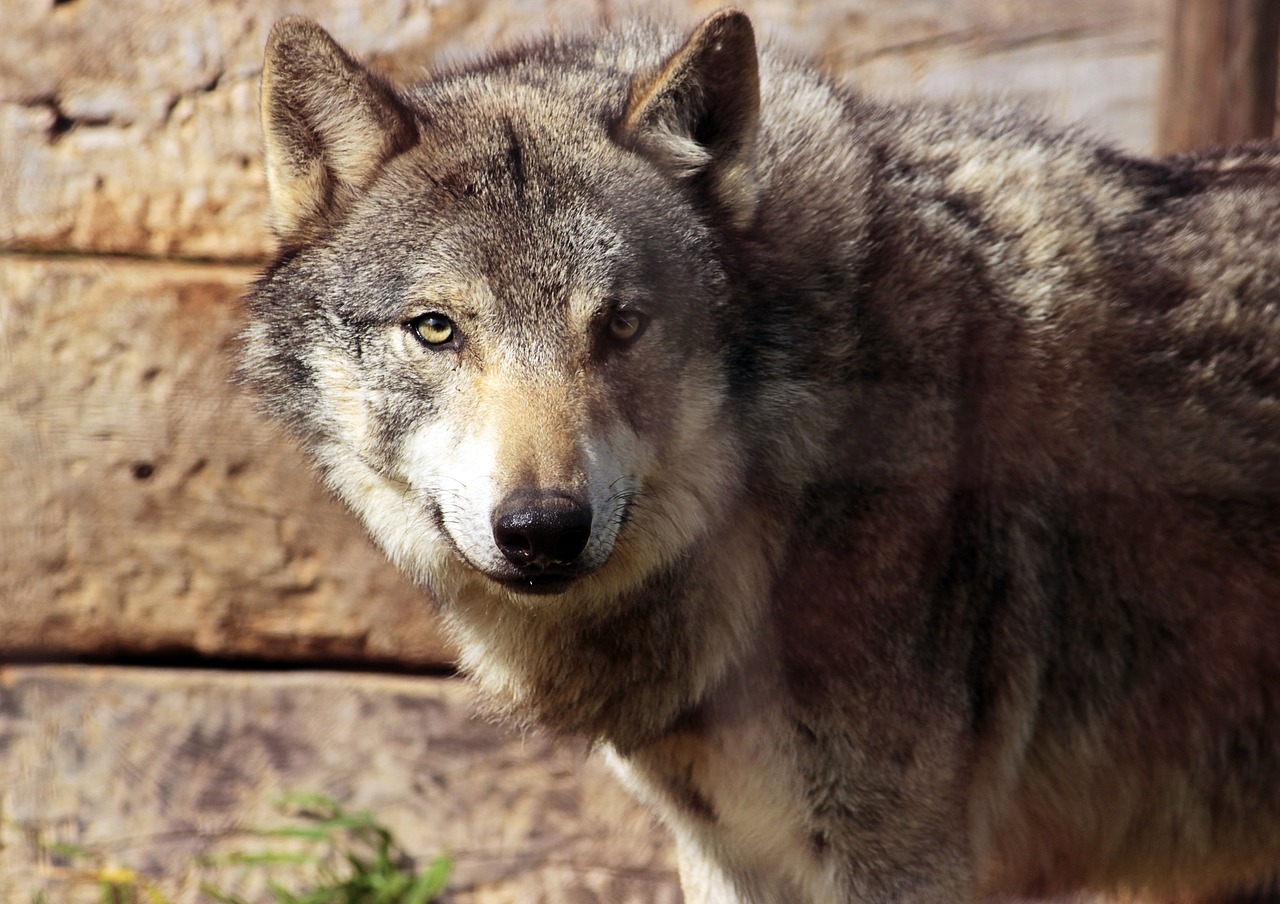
x=533, y=209
x=561, y=161
x=517, y=204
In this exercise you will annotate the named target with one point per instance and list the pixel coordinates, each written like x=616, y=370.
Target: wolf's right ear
x=329, y=124
x=699, y=114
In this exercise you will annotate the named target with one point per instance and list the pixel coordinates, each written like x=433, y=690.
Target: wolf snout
x=540, y=531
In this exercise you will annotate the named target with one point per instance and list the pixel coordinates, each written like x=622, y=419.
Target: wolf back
x=892, y=492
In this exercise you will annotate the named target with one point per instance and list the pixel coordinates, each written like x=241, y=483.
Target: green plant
x=348, y=858
x=116, y=884
x=355, y=860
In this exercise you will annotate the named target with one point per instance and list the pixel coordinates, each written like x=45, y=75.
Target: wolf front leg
x=701, y=879
x=769, y=807
x=739, y=845
x=705, y=879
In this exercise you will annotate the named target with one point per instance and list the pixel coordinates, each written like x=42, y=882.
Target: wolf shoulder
x=1145, y=278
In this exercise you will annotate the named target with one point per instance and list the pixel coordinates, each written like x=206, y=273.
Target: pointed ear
x=700, y=113
x=328, y=125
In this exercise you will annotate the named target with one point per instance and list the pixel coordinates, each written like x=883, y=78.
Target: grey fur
x=935, y=550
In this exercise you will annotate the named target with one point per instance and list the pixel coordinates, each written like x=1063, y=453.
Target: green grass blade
x=308, y=832
x=283, y=895
x=65, y=849
x=434, y=881
x=219, y=895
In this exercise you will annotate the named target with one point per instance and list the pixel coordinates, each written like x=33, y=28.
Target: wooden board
x=153, y=768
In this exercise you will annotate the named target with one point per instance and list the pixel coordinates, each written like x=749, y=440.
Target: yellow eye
x=626, y=326
x=433, y=329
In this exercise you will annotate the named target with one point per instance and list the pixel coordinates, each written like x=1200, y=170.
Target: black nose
x=536, y=530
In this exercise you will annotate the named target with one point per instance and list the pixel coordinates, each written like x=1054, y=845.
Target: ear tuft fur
x=329, y=125
x=700, y=113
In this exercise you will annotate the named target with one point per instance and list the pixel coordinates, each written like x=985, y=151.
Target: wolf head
x=492, y=314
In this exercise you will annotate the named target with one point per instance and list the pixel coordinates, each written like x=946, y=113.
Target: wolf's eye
x=627, y=326
x=433, y=329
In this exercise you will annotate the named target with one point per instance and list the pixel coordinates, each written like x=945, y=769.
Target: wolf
x=890, y=492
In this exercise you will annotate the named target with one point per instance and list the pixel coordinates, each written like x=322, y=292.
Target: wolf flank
x=891, y=492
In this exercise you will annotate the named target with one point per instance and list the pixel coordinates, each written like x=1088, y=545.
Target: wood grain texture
x=154, y=768
x=145, y=507
x=1218, y=85
x=139, y=134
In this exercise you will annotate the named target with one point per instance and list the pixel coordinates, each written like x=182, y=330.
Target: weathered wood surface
x=138, y=133
x=154, y=768
x=1218, y=85
x=145, y=508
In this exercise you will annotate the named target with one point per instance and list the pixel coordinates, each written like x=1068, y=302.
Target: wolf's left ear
x=329, y=125
x=700, y=113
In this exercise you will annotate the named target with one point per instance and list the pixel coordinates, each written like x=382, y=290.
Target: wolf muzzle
x=542, y=533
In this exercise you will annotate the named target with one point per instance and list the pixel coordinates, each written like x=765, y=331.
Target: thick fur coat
x=892, y=492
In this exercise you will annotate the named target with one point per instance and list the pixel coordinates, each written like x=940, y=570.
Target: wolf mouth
x=537, y=578
x=537, y=585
